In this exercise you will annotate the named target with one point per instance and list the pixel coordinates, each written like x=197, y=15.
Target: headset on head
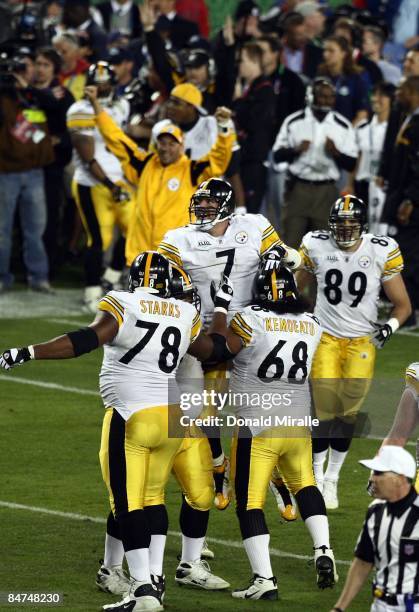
x=310, y=88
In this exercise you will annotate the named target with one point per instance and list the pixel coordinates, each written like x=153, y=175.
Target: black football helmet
x=348, y=220
x=276, y=284
x=103, y=76
x=220, y=195
x=151, y=271
x=181, y=287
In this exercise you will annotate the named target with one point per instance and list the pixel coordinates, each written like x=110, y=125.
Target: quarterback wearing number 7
x=350, y=266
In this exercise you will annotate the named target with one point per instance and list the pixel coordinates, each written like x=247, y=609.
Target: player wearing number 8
x=350, y=267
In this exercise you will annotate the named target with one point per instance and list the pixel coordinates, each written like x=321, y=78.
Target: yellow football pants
x=192, y=469
x=341, y=376
x=100, y=213
x=136, y=457
x=253, y=460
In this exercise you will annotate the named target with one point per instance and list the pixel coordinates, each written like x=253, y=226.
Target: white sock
x=138, y=564
x=217, y=461
x=191, y=548
x=257, y=549
x=336, y=459
x=156, y=554
x=318, y=465
x=114, y=552
x=318, y=526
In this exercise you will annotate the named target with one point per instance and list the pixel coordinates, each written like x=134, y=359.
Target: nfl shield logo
x=409, y=549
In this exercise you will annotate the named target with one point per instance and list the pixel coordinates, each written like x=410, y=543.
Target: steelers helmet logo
x=173, y=184
x=364, y=261
x=241, y=237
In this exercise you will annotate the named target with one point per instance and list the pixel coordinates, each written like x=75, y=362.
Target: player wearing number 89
x=350, y=267
x=274, y=341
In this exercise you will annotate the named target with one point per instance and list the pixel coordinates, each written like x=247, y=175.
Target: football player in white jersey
x=218, y=241
x=145, y=333
x=274, y=340
x=103, y=196
x=350, y=267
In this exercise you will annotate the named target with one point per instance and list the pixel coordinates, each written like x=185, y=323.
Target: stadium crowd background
x=259, y=59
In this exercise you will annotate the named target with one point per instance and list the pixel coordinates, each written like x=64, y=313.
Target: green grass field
x=49, y=448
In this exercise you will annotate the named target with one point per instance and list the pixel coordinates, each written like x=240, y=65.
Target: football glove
x=274, y=258
x=381, y=334
x=119, y=194
x=14, y=357
x=222, y=294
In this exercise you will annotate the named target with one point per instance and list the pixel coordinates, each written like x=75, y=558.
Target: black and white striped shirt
x=390, y=540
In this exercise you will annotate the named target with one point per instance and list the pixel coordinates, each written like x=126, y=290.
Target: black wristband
x=108, y=183
x=83, y=340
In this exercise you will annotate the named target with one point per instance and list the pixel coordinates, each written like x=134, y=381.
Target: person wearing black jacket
x=254, y=117
x=289, y=89
x=401, y=209
x=55, y=100
x=172, y=26
x=76, y=15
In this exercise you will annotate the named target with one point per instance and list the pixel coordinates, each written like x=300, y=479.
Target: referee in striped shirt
x=389, y=539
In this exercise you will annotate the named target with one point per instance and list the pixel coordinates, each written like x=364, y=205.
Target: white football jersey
x=412, y=379
x=198, y=141
x=236, y=253
x=81, y=117
x=348, y=283
x=139, y=365
x=274, y=365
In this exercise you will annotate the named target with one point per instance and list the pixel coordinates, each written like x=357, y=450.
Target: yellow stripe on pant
x=136, y=457
x=253, y=460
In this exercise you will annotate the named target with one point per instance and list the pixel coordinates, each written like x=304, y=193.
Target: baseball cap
x=392, y=459
x=246, y=8
x=173, y=130
x=307, y=8
x=117, y=55
x=190, y=94
x=196, y=58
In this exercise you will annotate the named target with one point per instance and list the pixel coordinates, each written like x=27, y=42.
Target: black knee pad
x=158, y=519
x=193, y=523
x=310, y=502
x=321, y=436
x=252, y=523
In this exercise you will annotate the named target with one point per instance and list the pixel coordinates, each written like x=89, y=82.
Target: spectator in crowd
x=196, y=11
x=55, y=101
x=314, y=20
x=74, y=68
x=397, y=116
x=318, y=143
x=246, y=21
x=254, y=117
x=170, y=25
x=77, y=17
x=405, y=25
x=287, y=85
x=351, y=89
x=25, y=149
x=370, y=141
x=300, y=55
x=401, y=208
x=121, y=16
x=373, y=40
x=122, y=62
x=352, y=32
x=165, y=180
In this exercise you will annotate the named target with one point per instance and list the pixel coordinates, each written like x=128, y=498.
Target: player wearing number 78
x=350, y=267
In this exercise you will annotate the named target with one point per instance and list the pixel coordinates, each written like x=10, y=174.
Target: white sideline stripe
x=47, y=385
x=403, y=332
x=175, y=534
x=67, y=322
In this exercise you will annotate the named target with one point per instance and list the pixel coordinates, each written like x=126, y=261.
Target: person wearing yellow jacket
x=165, y=180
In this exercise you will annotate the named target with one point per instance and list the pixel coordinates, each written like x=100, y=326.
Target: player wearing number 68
x=350, y=267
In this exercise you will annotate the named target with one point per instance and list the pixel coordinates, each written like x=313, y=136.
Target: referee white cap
x=392, y=459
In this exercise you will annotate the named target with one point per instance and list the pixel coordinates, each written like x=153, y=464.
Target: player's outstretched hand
x=14, y=357
x=222, y=293
x=381, y=334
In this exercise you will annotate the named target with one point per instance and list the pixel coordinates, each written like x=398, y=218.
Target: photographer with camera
x=25, y=149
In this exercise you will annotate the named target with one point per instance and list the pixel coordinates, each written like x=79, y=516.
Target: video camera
x=9, y=66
